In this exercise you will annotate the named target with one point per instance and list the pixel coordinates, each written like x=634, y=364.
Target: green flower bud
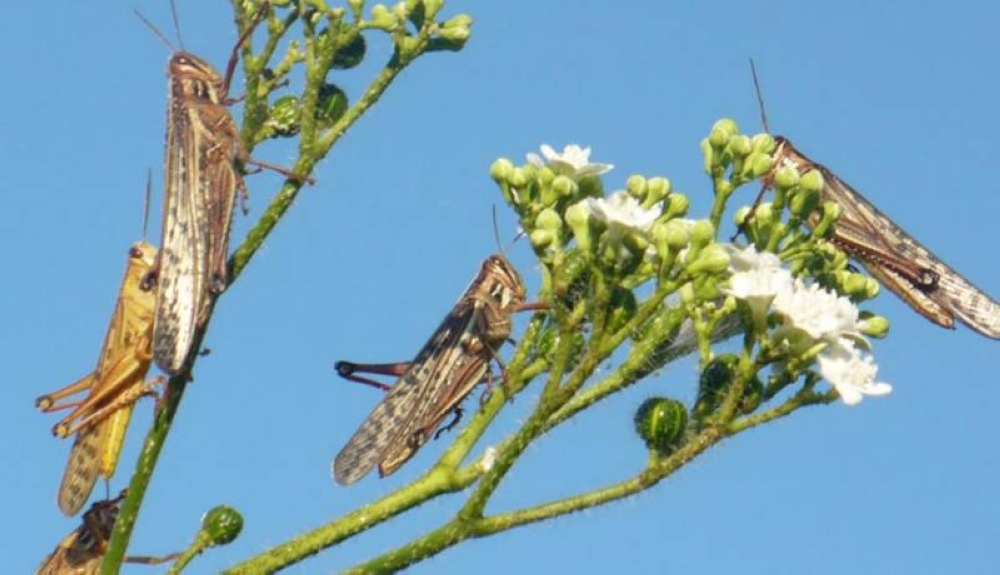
x=571, y=277
x=331, y=104
x=656, y=190
x=786, y=178
x=872, y=289
x=501, y=169
x=546, y=175
x=221, y=525
x=541, y=238
x=757, y=165
x=519, y=177
x=830, y=214
x=711, y=260
x=702, y=232
x=548, y=219
x=721, y=132
x=708, y=152
x=873, y=325
x=803, y=202
x=564, y=186
x=739, y=146
x=383, y=18
x=661, y=423
x=283, y=120
x=578, y=219
x=432, y=7
x=458, y=21
x=854, y=284
x=356, y=7
x=674, y=234
x=812, y=181
x=676, y=206
x=636, y=187
x=453, y=34
x=715, y=379
x=762, y=143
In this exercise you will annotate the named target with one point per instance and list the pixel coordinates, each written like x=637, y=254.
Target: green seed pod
x=221, y=525
x=660, y=423
x=351, y=50
x=714, y=381
x=283, y=120
x=331, y=104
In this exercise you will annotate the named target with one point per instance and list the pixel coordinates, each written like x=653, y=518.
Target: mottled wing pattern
x=399, y=414
x=219, y=186
x=862, y=224
x=186, y=245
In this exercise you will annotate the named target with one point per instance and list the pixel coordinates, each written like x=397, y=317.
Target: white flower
x=748, y=258
x=489, y=458
x=851, y=373
x=759, y=284
x=621, y=208
x=574, y=161
x=819, y=312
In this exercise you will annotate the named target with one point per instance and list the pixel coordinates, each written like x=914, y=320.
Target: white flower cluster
x=574, y=161
x=821, y=314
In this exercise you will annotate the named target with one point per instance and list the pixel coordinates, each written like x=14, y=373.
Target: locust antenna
x=496, y=232
x=155, y=30
x=177, y=23
x=760, y=97
x=145, y=203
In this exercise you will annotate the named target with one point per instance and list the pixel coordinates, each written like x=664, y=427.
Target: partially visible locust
x=81, y=552
x=891, y=255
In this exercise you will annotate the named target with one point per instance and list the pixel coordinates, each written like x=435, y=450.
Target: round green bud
x=739, y=146
x=221, y=525
x=758, y=164
x=721, y=132
x=812, y=182
x=660, y=423
x=763, y=143
x=283, y=120
x=548, y=219
x=708, y=152
x=656, y=190
x=432, y=7
x=546, y=175
x=873, y=325
x=711, y=260
x=676, y=206
x=676, y=235
x=871, y=289
x=331, y=104
x=458, y=21
x=519, y=177
x=803, y=202
x=854, y=284
x=564, y=186
x=636, y=187
x=577, y=218
x=702, y=232
x=383, y=18
x=455, y=36
x=541, y=238
x=786, y=178
x=501, y=169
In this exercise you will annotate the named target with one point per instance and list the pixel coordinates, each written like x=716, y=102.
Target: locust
x=891, y=255
x=202, y=180
x=102, y=417
x=454, y=360
x=81, y=552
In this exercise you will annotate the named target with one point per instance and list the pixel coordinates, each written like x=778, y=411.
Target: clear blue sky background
x=899, y=99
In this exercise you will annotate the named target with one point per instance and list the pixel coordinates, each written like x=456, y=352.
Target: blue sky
x=900, y=103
